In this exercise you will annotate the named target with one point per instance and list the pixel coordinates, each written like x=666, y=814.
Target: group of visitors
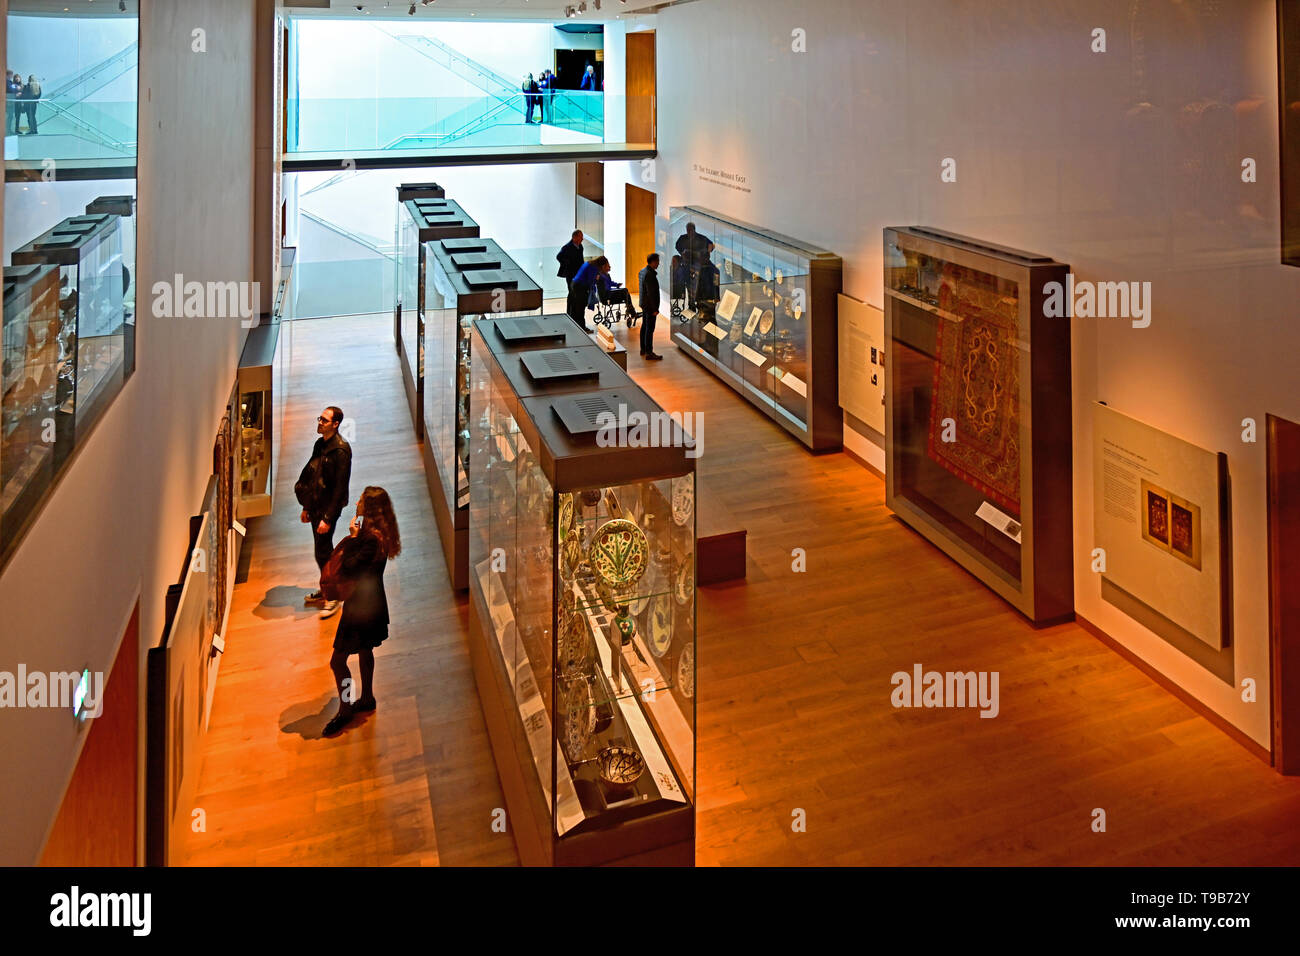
x=539, y=93
x=21, y=99
x=539, y=96
x=591, y=282
x=352, y=575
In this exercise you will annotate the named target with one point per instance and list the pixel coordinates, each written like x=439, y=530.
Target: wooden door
x=1284, y=589
x=641, y=87
x=640, y=226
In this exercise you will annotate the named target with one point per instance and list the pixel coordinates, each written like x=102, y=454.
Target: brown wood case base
x=453, y=526
x=667, y=839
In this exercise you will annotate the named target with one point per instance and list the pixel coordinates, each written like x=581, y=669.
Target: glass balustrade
x=436, y=122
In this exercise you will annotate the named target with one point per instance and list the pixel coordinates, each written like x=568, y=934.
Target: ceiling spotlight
x=411, y=12
x=121, y=5
x=597, y=4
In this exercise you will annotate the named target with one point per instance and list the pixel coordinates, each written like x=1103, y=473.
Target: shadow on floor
x=308, y=719
x=285, y=600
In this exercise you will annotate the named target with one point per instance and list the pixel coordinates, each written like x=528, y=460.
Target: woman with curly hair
x=363, y=625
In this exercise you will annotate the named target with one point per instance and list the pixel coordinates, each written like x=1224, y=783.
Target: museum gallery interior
x=839, y=433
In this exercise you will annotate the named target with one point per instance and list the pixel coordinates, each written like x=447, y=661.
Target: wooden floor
x=793, y=675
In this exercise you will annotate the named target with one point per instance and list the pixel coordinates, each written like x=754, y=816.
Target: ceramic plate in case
x=686, y=671
x=779, y=277
x=660, y=632
x=685, y=584
x=566, y=515
x=579, y=709
x=683, y=500
x=765, y=323
x=618, y=553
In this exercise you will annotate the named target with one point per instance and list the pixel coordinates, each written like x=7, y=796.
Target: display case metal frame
x=821, y=428
x=416, y=226
x=462, y=297
x=1044, y=592
x=665, y=832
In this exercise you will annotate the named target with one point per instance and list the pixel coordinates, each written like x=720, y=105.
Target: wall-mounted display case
x=582, y=604
x=759, y=310
x=978, y=410
x=37, y=381
x=263, y=367
x=421, y=218
x=462, y=279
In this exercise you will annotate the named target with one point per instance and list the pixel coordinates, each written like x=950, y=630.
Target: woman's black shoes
x=364, y=705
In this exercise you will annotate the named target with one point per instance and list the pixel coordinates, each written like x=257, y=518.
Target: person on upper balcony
x=589, y=79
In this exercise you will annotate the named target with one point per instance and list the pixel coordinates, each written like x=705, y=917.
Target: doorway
x=1284, y=589
x=639, y=222
x=571, y=65
x=641, y=87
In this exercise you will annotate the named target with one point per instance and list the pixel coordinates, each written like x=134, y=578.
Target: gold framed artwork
x=1171, y=523
x=1154, y=492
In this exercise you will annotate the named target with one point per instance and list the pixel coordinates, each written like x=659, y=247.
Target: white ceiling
x=438, y=10
x=471, y=9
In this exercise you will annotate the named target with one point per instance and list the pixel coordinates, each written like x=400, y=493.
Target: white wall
x=117, y=525
x=1053, y=156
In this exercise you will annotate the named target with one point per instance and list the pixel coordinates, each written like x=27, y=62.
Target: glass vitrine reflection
x=743, y=303
x=87, y=251
x=37, y=382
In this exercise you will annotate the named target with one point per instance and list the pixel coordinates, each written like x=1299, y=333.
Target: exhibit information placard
x=862, y=362
x=1156, y=517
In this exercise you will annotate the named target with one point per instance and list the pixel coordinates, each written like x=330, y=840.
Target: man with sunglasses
x=322, y=490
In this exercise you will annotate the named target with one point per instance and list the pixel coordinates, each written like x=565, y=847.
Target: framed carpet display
x=1160, y=515
x=971, y=363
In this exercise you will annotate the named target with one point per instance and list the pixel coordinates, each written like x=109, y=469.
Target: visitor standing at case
x=373, y=540
x=649, y=292
x=322, y=489
x=570, y=258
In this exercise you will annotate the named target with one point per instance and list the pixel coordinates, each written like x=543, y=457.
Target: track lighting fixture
x=411, y=12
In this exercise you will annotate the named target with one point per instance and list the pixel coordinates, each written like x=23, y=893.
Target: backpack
x=307, y=489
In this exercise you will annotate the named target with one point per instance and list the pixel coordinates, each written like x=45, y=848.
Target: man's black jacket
x=323, y=487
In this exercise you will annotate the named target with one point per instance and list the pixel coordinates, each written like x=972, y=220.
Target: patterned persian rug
x=977, y=385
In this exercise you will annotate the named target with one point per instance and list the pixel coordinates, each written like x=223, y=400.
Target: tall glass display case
x=582, y=606
x=977, y=412
x=462, y=279
x=405, y=264
x=420, y=220
x=87, y=250
x=759, y=310
x=37, y=381
x=124, y=208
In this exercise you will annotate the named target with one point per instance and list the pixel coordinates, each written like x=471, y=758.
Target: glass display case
x=261, y=400
x=37, y=382
x=759, y=310
x=124, y=208
x=421, y=218
x=462, y=279
x=582, y=607
x=977, y=396
x=87, y=250
x=406, y=247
